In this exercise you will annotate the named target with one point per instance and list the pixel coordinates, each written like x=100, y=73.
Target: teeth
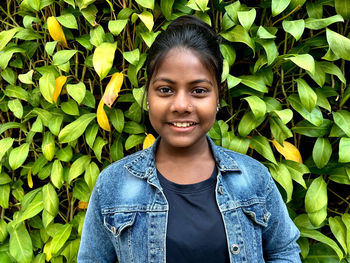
x=182, y=124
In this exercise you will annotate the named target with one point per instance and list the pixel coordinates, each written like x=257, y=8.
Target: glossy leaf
x=319, y=23
x=77, y=91
x=47, y=86
x=295, y=28
x=102, y=118
x=57, y=174
x=257, y=106
x=103, y=58
x=147, y=18
x=20, y=244
x=50, y=198
x=76, y=128
x=281, y=174
x=316, y=199
x=18, y=155
x=344, y=153
x=91, y=173
x=16, y=107
x=307, y=95
x=246, y=18
x=60, y=238
x=289, y=151
x=342, y=7
x=149, y=140
x=339, y=44
x=342, y=119
x=339, y=231
x=56, y=31
x=239, y=34
x=48, y=146
x=112, y=90
x=262, y=146
x=304, y=61
x=321, y=152
x=278, y=6
x=97, y=148
x=116, y=26
x=78, y=167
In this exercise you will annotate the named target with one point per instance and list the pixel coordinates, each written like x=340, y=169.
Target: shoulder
x=251, y=176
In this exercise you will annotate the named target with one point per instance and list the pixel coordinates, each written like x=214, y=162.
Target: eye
x=199, y=91
x=165, y=90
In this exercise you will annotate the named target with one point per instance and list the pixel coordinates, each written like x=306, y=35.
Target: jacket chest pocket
x=257, y=213
x=118, y=222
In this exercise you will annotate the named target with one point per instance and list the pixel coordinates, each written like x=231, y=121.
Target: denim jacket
x=127, y=214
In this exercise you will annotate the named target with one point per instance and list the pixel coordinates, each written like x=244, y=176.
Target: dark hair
x=191, y=33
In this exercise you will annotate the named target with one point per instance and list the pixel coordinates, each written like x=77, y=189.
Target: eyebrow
x=192, y=82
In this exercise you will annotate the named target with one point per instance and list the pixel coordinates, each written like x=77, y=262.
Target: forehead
x=183, y=65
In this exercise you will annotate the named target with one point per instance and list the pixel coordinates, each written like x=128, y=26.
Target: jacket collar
x=143, y=165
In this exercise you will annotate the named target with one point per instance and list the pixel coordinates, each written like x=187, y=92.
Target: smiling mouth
x=182, y=124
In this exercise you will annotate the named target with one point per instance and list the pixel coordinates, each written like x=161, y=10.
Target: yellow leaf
x=147, y=18
x=149, y=140
x=102, y=119
x=289, y=151
x=30, y=179
x=56, y=31
x=59, y=82
x=83, y=205
x=112, y=89
x=47, y=250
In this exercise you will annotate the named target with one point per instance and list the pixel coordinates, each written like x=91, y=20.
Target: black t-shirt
x=195, y=230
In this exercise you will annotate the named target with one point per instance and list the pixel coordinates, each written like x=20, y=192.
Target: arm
x=280, y=236
x=96, y=244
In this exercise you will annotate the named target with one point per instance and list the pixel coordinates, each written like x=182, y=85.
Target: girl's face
x=182, y=97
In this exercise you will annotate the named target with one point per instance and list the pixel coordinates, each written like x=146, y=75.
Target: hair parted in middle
x=187, y=32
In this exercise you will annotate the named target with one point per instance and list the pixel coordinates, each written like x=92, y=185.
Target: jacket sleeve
x=96, y=242
x=281, y=234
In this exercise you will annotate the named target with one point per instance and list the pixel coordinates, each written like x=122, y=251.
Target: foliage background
x=286, y=65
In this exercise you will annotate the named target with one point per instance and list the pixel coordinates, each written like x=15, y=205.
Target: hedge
x=71, y=89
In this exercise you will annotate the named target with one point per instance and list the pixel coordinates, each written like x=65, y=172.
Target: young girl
x=185, y=199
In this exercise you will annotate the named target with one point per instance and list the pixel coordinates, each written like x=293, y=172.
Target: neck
x=166, y=153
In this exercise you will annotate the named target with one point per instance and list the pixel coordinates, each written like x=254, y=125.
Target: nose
x=181, y=102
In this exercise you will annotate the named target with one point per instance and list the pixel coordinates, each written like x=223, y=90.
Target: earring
x=218, y=107
x=147, y=105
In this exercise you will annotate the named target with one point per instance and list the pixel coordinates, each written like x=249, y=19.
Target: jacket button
x=221, y=190
x=114, y=230
x=265, y=218
x=235, y=249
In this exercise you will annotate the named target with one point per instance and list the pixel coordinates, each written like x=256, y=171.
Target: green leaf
x=75, y=129
x=278, y=6
x=84, y=40
x=91, y=173
x=63, y=56
x=4, y=195
x=55, y=124
x=60, y=238
x=48, y=146
x=34, y=207
x=3, y=230
x=346, y=221
x=339, y=231
x=97, y=148
x=281, y=174
x=304, y=61
x=295, y=28
x=71, y=250
x=97, y=36
x=341, y=6
x=149, y=37
x=146, y=3
x=257, y=106
x=117, y=150
x=228, y=53
x=70, y=107
x=342, y=119
x=331, y=68
x=316, y=201
x=51, y=201
x=279, y=130
x=132, y=57
x=65, y=154
x=306, y=128
x=344, y=153
x=147, y=18
x=319, y=23
x=248, y=123
x=285, y=115
x=9, y=75
x=78, y=167
x=16, y=92
x=306, y=94
x=321, y=152
x=81, y=190
x=6, y=36
x=116, y=26
x=132, y=127
x=339, y=44
x=246, y=18
x=166, y=7
x=18, y=155
x=16, y=107
x=239, y=144
x=4, y=178
x=316, y=235
x=50, y=47
x=239, y=34
x=103, y=58
x=315, y=117
x=5, y=145
x=47, y=86
x=117, y=119
x=90, y=14
x=255, y=82
x=20, y=244
x=232, y=11
x=297, y=170
x=264, y=34
x=262, y=146
x=68, y=20
x=57, y=174
x=322, y=100
x=6, y=55
x=133, y=140
x=27, y=77
x=90, y=134
x=84, y=3
x=77, y=91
